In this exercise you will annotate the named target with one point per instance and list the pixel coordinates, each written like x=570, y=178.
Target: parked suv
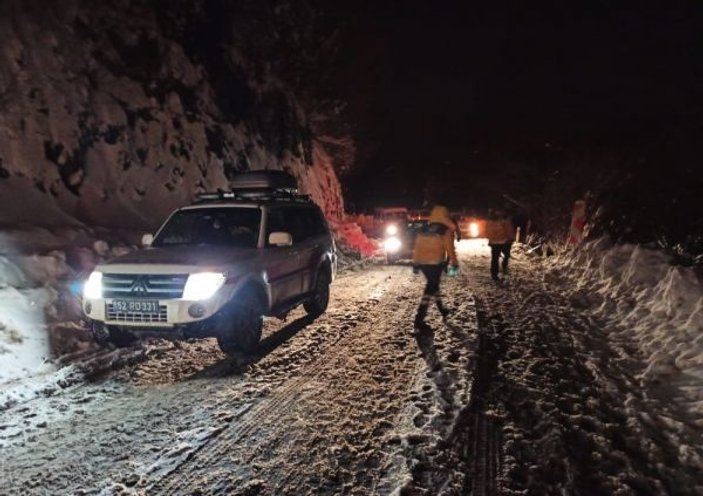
x=217, y=267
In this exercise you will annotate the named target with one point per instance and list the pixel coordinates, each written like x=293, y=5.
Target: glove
x=453, y=270
x=416, y=269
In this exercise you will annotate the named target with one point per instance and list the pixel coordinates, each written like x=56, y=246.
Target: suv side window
x=314, y=224
x=276, y=222
x=289, y=219
x=317, y=223
x=301, y=222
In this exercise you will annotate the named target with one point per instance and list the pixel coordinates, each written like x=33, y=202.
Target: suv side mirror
x=280, y=238
x=147, y=240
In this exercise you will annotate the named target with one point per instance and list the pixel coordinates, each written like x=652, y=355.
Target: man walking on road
x=434, y=246
x=501, y=234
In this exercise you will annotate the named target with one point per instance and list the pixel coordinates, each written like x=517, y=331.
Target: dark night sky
x=450, y=94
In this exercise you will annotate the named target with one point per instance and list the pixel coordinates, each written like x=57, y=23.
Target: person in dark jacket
x=434, y=247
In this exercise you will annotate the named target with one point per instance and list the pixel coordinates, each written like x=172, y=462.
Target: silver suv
x=217, y=267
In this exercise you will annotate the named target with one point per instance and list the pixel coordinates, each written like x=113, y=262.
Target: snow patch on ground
x=24, y=344
x=645, y=301
x=24, y=420
x=419, y=455
x=45, y=382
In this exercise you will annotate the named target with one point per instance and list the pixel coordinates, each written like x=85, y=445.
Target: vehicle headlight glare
x=93, y=287
x=391, y=230
x=473, y=229
x=203, y=285
x=392, y=245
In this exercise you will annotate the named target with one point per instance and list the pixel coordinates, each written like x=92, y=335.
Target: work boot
x=420, y=317
x=443, y=310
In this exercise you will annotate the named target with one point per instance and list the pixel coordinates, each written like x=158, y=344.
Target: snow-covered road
x=518, y=392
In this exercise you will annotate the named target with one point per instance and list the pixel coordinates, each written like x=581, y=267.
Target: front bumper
x=209, y=327
x=172, y=313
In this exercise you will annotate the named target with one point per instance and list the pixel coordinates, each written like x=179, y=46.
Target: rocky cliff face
x=115, y=113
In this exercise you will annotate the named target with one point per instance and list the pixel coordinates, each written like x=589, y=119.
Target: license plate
x=135, y=306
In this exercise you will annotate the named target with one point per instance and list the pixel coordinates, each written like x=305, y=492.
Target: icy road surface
x=519, y=392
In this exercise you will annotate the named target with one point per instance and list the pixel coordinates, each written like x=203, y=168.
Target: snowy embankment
x=25, y=300
x=39, y=315
x=648, y=303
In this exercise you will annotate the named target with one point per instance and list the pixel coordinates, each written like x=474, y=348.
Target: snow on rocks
x=123, y=145
x=351, y=238
x=24, y=344
x=39, y=311
x=646, y=301
x=10, y=274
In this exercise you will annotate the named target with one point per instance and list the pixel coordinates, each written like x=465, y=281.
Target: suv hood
x=198, y=256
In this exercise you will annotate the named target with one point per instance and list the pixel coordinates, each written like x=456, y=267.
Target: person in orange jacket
x=501, y=235
x=434, y=248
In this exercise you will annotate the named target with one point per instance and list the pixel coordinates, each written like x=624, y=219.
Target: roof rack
x=252, y=195
x=263, y=185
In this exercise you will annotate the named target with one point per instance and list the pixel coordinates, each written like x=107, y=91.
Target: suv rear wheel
x=317, y=303
x=243, y=320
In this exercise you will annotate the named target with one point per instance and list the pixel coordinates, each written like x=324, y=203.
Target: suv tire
x=317, y=303
x=241, y=330
x=112, y=335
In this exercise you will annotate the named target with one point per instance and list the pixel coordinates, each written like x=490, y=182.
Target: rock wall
x=115, y=113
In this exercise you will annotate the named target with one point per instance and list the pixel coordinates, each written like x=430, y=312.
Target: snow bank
x=649, y=303
x=39, y=315
x=24, y=342
x=25, y=298
x=350, y=237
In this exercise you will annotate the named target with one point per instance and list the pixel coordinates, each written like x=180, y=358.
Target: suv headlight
x=391, y=230
x=203, y=285
x=93, y=287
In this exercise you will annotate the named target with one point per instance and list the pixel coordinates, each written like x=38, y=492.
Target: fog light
x=88, y=307
x=392, y=245
x=196, y=310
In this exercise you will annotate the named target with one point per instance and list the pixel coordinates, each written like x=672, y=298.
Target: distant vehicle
x=217, y=267
x=399, y=246
x=390, y=221
x=471, y=226
x=391, y=225
x=417, y=215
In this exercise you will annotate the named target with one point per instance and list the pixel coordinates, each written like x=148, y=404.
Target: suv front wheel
x=317, y=303
x=105, y=336
x=241, y=327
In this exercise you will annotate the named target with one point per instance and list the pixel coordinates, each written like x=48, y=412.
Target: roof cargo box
x=264, y=180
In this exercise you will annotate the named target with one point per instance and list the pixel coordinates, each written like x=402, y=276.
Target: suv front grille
x=155, y=286
x=142, y=317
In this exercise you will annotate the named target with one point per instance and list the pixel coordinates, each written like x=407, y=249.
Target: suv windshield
x=224, y=226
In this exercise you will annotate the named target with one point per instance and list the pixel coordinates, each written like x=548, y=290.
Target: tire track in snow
x=477, y=437
x=248, y=445
x=188, y=406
